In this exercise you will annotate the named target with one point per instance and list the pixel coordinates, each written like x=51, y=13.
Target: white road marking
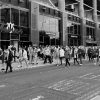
x=85, y=75
x=2, y=86
x=96, y=98
x=38, y=98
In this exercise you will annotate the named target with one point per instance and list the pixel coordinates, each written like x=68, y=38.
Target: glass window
x=15, y=16
x=75, y=29
x=87, y=31
x=25, y=31
x=24, y=19
x=5, y=15
x=24, y=36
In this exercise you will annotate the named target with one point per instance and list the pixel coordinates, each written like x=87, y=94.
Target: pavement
x=15, y=65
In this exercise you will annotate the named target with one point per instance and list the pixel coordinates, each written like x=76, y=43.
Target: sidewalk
x=40, y=64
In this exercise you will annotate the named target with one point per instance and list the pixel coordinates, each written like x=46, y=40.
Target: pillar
x=0, y=30
x=83, y=22
x=34, y=23
x=96, y=21
x=61, y=6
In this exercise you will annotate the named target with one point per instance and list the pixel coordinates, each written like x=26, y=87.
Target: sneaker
x=19, y=66
x=57, y=65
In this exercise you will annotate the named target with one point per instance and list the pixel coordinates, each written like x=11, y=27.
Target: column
x=95, y=20
x=34, y=23
x=83, y=22
x=61, y=6
x=0, y=30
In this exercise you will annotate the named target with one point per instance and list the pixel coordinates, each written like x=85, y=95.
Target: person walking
x=67, y=57
x=35, y=51
x=25, y=58
x=30, y=54
x=80, y=54
x=76, y=55
x=61, y=55
x=47, y=53
x=9, y=58
x=56, y=55
x=20, y=56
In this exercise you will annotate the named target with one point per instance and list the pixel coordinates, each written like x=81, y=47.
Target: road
x=51, y=83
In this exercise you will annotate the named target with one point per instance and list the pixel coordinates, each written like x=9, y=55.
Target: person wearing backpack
x=9, y=58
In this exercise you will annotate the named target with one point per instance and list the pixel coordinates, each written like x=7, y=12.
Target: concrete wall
x=34, y=37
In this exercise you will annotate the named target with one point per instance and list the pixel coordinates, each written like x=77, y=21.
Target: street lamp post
x=10, y=26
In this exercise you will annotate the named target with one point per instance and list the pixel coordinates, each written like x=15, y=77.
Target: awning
x=47, y=3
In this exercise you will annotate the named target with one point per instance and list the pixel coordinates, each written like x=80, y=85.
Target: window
x=24, y=19
x=69, y=17
x=15, y=16
x=5, y=15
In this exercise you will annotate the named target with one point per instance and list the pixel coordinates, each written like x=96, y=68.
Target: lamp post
x=10, y=27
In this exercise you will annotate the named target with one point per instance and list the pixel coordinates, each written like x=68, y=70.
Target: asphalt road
x=51, y=83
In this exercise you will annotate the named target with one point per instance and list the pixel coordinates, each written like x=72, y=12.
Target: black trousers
x=8, y=65
x=47, y=57
x=75, y=60
x=61, y=59
x=67, y=61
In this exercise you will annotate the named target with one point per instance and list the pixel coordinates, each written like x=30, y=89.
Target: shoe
x=19, y=66
x=10, y=71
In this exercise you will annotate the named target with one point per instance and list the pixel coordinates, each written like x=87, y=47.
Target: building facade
x=50, y=22
x=80, y=22
x=16, y=12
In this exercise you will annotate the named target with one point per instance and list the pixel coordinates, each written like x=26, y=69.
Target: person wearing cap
x=9, y=58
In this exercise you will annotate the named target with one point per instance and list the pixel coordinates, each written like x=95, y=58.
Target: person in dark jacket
x=67, y=57
x=9, y=59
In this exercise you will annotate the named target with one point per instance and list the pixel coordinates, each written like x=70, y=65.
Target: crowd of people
x=32, y=54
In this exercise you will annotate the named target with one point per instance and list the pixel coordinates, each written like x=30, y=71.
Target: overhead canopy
x=47, y=3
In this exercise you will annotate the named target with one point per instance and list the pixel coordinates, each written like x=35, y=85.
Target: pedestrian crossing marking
x=96, y=98
x=85, y=75
x=91, y=76
x=37, y=98
x=2, y=86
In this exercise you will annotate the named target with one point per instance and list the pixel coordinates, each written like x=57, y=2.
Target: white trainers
x=19, y=66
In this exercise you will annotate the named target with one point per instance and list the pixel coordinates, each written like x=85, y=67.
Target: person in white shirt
x=56, y=54
x=30, y=53
x=76, y=55
x=47, y=53
x=61, y=54
x=35, y=51
x=23, y=56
